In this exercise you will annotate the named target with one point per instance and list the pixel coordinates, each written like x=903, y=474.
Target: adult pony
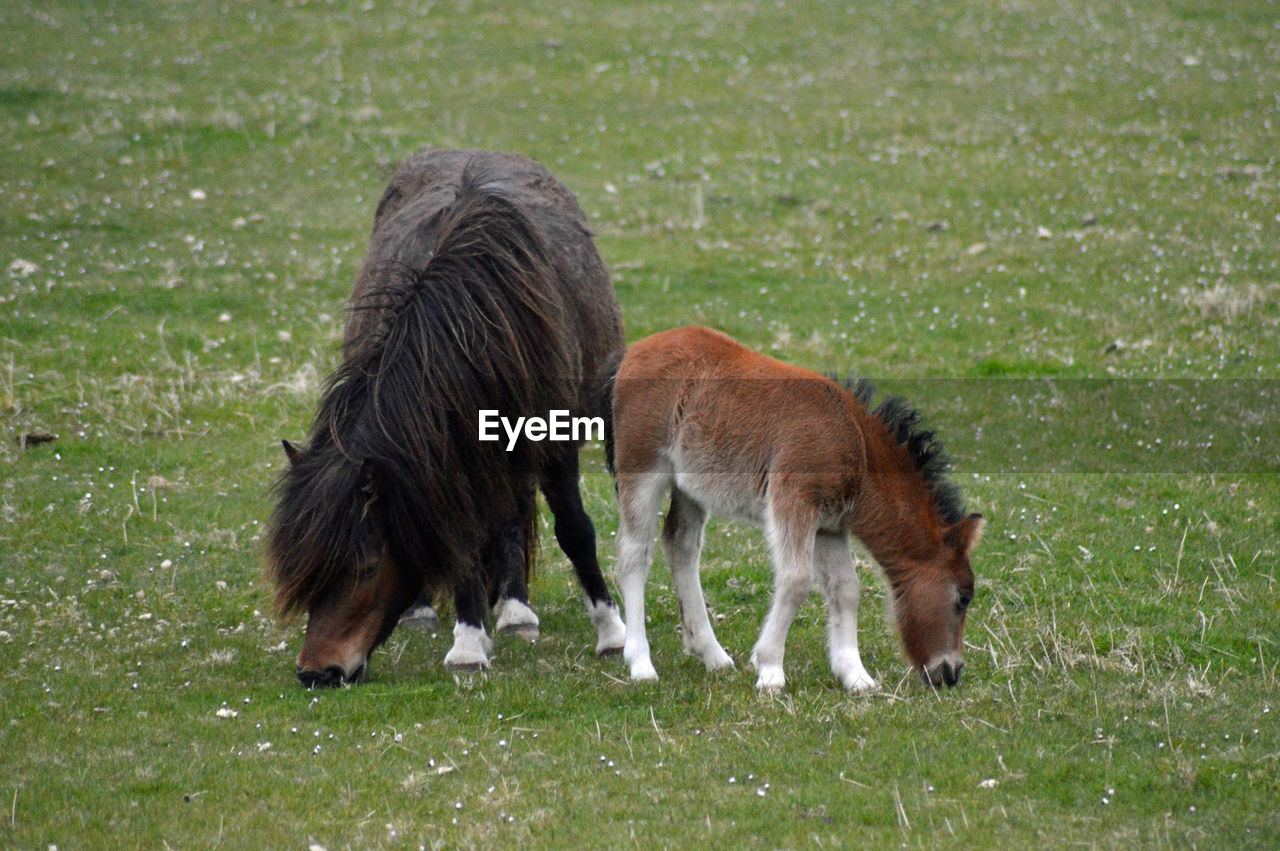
x=481, y=290
x=727, y=430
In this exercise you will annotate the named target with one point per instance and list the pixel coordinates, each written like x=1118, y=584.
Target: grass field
x=1065, y=192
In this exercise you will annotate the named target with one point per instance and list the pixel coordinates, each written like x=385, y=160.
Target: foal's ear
x=966, y=534
x=292, y=452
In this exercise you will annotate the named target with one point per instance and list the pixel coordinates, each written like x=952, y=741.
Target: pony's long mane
x=907, y=427
x=394, y=446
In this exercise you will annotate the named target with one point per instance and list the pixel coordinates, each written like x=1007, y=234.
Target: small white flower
x=23, y=268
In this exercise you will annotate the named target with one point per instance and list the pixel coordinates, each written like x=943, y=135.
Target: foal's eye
x=966, y=597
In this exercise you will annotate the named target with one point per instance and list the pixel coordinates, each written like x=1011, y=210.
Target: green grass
x=1066, y=191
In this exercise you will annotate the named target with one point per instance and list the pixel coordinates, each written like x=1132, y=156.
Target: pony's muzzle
x=330, y=677
x=946, y=672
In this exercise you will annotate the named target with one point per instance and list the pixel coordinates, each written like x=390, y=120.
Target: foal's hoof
x=714, y=658
x=609, y=651
x=770, y=681
x=853, y=676
x=865, y=685
x=643, y=672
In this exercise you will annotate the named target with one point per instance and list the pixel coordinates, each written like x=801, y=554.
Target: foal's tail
x=602, y=397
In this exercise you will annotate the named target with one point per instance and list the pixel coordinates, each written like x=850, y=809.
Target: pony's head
x=329, y=556
x=930, y=601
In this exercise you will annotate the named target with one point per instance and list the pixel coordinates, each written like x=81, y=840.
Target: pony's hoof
x=465, y=667
x=611, y=633
x=515, y=618
x=470, y=651
x=421, y=619
x=527, y=631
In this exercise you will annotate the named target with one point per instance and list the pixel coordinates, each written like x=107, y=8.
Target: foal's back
x=699, y=404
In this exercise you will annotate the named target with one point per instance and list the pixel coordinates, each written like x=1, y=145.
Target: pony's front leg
x=792, y=552
x=682, y=544
x=840, y=583
x=471, y=646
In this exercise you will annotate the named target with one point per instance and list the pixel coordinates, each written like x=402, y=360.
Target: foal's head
x=930, y=601
x=329, y=557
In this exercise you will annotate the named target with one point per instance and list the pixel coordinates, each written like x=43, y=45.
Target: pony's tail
x=602, y=399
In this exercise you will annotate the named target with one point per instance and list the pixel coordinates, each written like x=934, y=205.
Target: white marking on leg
x=682, y=544
x=792, y=552
x=633, y=570
x=516, y=618
x=611, y=632
x=639, y=497
x=840, y=583
x=470, y=651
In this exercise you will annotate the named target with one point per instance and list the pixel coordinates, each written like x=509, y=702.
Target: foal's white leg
x=682, y=544
x=792, y=552
x=840, y=583
x=639, y=497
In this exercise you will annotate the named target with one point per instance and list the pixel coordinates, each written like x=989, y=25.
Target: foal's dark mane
x=394, y=447
x=906, y=426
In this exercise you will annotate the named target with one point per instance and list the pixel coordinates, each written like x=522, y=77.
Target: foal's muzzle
x=945, y=672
